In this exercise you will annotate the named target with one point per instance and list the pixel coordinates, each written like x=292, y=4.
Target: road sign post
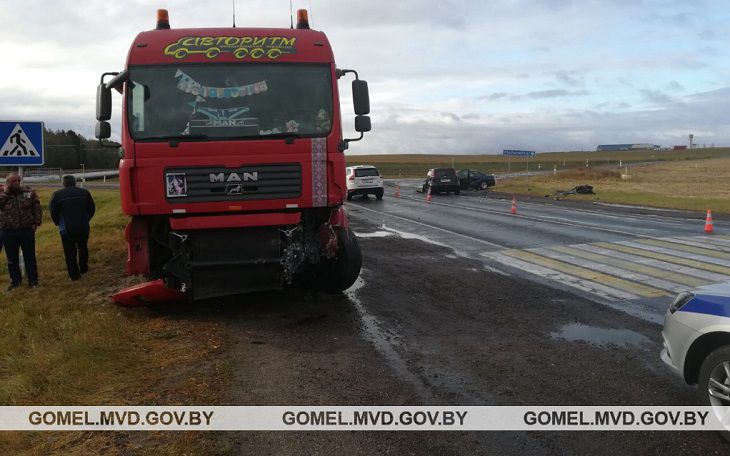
x=518, y=153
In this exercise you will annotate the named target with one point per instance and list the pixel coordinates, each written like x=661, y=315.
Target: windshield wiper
x=177, y=138
x=288, y=136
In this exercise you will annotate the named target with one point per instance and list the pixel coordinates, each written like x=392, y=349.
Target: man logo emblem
x=234, y=189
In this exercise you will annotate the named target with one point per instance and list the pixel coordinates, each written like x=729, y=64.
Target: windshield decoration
x=189, y=85
x=255, y=47
x=322, y=121
x=204, y=117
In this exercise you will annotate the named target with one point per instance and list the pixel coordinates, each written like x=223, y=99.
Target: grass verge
x=416, y=165
x=697, y=185
x=65, y=343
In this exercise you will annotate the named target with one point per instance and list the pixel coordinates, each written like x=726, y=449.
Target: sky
x=445, y=77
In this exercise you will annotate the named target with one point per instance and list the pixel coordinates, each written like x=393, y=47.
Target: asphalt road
x=435, y=321
x=628, y=259
x=425, y=326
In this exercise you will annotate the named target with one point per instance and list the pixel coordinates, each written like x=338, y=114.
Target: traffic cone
x=428, y=195
x=708, y=222
x=514, y=205
x=397, y=191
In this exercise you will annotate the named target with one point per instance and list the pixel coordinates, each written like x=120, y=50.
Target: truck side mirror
x=103, y=102
x=360, y=97
x=103, y=130
x=362, y=123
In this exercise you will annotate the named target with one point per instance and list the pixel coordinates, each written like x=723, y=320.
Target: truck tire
x=339, y=273
x=379, y=194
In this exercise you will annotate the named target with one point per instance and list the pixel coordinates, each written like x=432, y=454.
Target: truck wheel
x=339, y=273
x=714, y=381
x=379, y=194
x=484, y=185
x=349, y=197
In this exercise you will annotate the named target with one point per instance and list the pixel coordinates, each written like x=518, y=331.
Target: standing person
x=20, y=217
x=71, y=210
x=2, y=190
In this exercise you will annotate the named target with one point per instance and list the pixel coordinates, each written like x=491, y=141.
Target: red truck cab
x=233, y=169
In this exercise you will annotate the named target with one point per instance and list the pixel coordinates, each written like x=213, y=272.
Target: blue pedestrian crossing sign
x=21, y=143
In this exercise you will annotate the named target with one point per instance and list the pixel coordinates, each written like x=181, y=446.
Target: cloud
x=427, y=62
x=451, y=116
x=656, y=96
x=556, y=93
x=493, y=97
x=569, y=79
x=675, y=86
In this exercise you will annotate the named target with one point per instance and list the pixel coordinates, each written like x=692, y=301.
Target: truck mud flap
x=147, y=293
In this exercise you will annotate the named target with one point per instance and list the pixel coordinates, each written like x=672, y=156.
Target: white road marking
x=547, y=219
x=611, y=270
x=707, y=275
x=584, y=285
x=677, y=253
x=481, y=241
x=698, y=243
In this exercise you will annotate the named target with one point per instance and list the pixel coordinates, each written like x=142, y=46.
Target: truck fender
x=338, y=217
x=138, y=257
x=328, y=244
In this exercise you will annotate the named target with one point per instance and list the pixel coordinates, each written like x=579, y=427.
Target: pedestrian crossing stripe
x=701, y=243
x=615, y=282
x=712, y=277
x=650, y=271
x=640, y=268
x=685, y=248
x=678, y=260
x=18, y=144
x=594, y=288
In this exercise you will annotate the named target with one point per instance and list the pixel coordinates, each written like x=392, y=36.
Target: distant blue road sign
x=21, y=143
x=519, y=153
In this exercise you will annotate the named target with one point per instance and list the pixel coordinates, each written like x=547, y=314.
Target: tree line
x=68, y=150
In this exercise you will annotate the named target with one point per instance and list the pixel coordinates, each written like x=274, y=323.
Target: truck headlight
x=680, y=300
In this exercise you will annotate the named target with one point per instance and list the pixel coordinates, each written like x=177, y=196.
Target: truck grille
x=256, y=182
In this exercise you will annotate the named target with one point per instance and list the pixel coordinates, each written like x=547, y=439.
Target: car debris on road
x=578, y=189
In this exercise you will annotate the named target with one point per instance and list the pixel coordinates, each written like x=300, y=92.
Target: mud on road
x=426, y=327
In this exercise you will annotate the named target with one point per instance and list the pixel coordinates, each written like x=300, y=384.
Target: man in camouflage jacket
x=20, y=217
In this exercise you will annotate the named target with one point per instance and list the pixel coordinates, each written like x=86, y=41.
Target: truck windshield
x=227, y=101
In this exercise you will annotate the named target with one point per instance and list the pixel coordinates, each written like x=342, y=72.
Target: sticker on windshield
x=255, y=47
x=190, y=85
x=177, y=185
x=204, y=117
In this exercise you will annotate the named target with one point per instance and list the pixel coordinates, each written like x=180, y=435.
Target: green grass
x=701, y=185
x=65, y=343
x=416, y=165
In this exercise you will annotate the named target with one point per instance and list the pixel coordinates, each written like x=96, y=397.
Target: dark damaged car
x=441, y=180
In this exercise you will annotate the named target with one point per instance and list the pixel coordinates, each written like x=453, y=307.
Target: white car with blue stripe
x=697, y=341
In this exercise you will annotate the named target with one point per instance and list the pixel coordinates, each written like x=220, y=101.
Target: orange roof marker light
x=163, y=20
x=302, y=19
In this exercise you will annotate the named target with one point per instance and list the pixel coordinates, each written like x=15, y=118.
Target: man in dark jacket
x=20, y=216
x=71, y=210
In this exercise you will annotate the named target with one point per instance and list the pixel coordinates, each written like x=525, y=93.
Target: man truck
x=232, y=162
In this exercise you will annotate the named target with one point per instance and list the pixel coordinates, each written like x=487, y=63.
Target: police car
x=697, y=341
